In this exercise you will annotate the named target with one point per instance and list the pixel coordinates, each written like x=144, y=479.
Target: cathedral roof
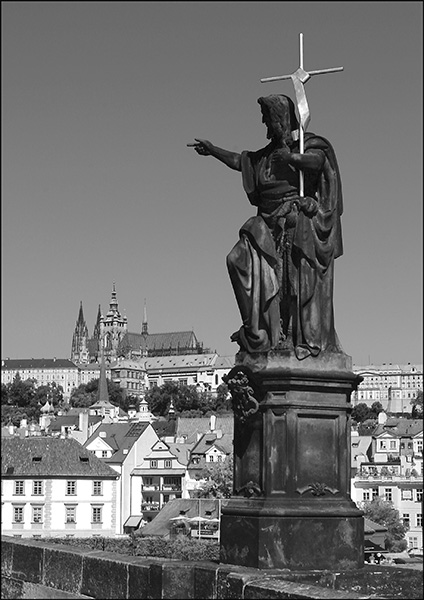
x=161, y=341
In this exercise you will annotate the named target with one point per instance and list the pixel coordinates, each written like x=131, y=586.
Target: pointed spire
x=80, y=320
x=96, y=330
x=144, y=330
x=102, y=394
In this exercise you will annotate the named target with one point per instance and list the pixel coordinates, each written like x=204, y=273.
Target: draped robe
x=253, y=263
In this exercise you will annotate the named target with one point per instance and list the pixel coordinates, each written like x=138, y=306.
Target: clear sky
x=99, y=101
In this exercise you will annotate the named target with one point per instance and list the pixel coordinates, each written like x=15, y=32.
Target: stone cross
x=299, y=78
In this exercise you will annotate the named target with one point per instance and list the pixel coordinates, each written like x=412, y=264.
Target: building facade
x=44, y=371
x=394, y=385
x=54, y=488
x=393, y=470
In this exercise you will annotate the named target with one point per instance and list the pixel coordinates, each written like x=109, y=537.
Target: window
x=18, y=514
x=19, y=488
x=104, y=454
x=366, y=495
x=210, y=458
x=37, y=514
x=406, y=519
x=374, y=493
x=171, y=481
x=71, y=488
x=37, y=488
x=71, y=514
x=413, y=542
x=392, y=444
x=419, y=520
x=96, y=515
x=148, y=480
x=419, y=493
x=406, y=494
x=153, y=464
x=97, y=488
x=168, y=464
x=388, y=496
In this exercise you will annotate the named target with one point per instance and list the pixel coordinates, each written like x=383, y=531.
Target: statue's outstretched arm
x=206, y=148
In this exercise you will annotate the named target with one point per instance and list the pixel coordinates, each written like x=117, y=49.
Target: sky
x=99, y=102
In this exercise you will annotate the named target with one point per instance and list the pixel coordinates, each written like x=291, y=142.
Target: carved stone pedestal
x=291, y=506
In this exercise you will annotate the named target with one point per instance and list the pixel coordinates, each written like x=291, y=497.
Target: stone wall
x=33, y=569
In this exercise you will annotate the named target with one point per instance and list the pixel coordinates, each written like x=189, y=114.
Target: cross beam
x=299, y=78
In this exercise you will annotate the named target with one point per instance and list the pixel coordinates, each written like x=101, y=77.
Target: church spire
x=103, y=394
x=144, y=330
x=96, y=331
x=79, y=350
x=80, y=320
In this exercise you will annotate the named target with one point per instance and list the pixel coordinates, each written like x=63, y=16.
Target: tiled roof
x=225, y=443
x=401, y=367
x=400, y=427
x=69, y=420
x=119, y=436
x=160, y=341
x=53, y=457
x=191, y=507
x=18, y=364
x=190, y=427
x=372, y=526
x=181, y=361
x=181, y=451
x=225, y=362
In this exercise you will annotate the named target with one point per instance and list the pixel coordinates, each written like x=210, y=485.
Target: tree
x=4, y=394
x=222, y=401
x=360, y=412
x=375, y=410
x=21, y=393
x=51, y=392
x=417, y=405
x=86, y=394
x=383, y=512
x=183, y=397
x=218, y=480
x=81, y=398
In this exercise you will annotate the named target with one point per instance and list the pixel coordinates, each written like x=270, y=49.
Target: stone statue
x=282, y=266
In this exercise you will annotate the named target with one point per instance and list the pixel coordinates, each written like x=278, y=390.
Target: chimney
x=83, y=423
x=212, y=423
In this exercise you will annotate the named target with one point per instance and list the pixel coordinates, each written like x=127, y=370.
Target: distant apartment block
x=393, y=385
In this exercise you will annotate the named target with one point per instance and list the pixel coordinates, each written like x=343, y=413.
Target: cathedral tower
x=79, y=351
x=113, y=327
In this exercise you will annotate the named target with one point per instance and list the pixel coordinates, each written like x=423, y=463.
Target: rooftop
x=50, y=457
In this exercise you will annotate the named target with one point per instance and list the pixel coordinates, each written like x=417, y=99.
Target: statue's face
x=270, y=129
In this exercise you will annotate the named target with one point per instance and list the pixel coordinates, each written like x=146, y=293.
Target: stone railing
x=35, y=569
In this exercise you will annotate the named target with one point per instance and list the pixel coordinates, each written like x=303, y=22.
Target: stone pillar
x=291, y=505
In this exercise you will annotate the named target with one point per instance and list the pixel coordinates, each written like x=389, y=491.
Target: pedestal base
x=309, y=536
x=291, y=506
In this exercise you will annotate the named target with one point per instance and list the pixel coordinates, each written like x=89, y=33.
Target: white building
x=52, y=487
x=159, y=478
x=203, y=370
x=122, y=446
x=393, y=385
x=394, y=472
x=45, y=371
